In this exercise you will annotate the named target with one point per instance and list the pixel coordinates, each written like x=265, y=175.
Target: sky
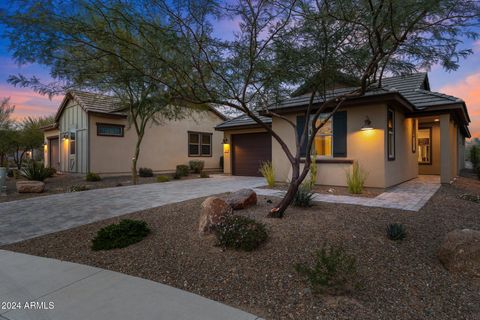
x=463, y=83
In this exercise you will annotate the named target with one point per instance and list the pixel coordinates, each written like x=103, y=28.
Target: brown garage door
x=249, y=151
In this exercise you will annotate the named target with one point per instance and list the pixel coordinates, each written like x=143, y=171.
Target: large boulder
x=213, y=211
x=30, y=186
x=460, y=251
x=241, y=199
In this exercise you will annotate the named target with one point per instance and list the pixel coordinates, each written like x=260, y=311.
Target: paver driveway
x=24, y=219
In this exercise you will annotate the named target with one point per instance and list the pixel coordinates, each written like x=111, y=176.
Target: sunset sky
x=463, y=83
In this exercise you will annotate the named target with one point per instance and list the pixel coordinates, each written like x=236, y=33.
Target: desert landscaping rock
x=30, y=186
x=242, y=199
x=213, y=211
x=460, y=251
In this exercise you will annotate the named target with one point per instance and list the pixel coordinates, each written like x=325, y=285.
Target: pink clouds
x=29, y=103
x=468, y=89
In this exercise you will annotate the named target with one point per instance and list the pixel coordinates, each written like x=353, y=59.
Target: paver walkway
x=69, y=291
x=24, y=219
x=411, y=195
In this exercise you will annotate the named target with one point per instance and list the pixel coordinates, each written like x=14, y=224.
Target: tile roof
x=94, y=102
x=241, y=121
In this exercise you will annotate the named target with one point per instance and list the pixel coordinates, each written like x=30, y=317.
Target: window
x=414, y=135
x=323, y=142
x=199, y=144
x=72, y=143
x=425, y=146
x=391, y=134
x=110, y=130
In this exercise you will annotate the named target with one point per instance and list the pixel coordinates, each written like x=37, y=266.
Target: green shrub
x=78, y=188
x=35, y=171
x=240, y=232
x=475, y=157
x=303, y=197
x=120, y=235
x=145, y=172
x=470, y=197
x=204, y=174
x=163, y=179
x=221, y=162
x=182, y=170
x=356, y=179
x=478, y=172
x=396, y=231
x=333, y=270
x=196, y=165
x=92, y=176
x=51, y=172
x=176, y=176
x=266, y=169
x=313, y=171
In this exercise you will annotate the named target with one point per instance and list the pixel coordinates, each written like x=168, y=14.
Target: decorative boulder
x=241, y=199
x=30, y=186
x=460, y=251
x=213, y=211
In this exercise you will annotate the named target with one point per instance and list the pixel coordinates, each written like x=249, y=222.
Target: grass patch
x=266, y=169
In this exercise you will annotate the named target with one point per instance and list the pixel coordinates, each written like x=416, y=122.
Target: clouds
x=468, y=89
x=29, y=103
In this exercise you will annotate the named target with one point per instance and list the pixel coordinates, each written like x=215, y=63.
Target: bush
x=478, y=172
x=92, y=176
x=176, y=176
x=266, y=169
x=35, y=171
x=182, y=170
x=221, y=162
x=303, y=197
x=475, y=157
x=10, y=173
x=51, y=172
x=313, y=171
x=120, y=235
x=196, y=165
x=204, y=174
x=396, y=231
x=470, y=197
x=333, y=270
x=145, y=172
x=78, y=188
x=356, y=179
x=240, y=232
x=163, y=179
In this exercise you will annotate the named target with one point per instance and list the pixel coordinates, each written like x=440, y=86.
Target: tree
x=278, y=46
x=6, y=134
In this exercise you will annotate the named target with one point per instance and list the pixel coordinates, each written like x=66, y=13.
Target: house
x=395, y=132
x=90, y=136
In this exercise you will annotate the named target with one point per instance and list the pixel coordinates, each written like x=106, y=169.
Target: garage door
x=249, y=151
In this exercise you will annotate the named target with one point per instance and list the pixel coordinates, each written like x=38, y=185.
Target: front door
x=54, y=154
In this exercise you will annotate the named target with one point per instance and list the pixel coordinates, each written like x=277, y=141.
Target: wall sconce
x=225, y=141
x=367, y=125
x=66, y=135
x=226, y=148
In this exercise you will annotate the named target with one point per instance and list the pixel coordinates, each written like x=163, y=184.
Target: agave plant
x=35, y=171
x=396, y=231
x=303, y=197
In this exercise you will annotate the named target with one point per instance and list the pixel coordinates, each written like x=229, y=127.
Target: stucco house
x=395, y=132
x=90, y=136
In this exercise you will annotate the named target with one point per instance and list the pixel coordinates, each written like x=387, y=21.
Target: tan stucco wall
x=227, y=150
x=433, y=168
x=164, y=146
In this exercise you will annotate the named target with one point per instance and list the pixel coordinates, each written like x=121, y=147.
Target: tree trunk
x=279, y=210
x=135, y=158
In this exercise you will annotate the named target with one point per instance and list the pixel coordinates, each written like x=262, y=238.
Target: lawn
x=398, y=280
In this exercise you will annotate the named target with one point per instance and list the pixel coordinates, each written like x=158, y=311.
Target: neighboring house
x=89, y=136
x=413, y=131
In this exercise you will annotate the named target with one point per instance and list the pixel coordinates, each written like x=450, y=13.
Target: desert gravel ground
x=399, y=280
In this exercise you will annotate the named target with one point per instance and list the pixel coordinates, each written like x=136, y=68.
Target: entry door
x=54, y=154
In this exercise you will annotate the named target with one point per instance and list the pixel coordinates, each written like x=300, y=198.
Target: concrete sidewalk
x=58, y=290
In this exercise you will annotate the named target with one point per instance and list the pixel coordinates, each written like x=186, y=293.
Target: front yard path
x=25, y=219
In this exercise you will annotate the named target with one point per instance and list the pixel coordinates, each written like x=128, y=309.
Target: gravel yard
x=335, y=190
x=399, y=280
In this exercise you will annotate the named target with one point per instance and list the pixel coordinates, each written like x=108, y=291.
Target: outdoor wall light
x=367, y=125
x=225, y=141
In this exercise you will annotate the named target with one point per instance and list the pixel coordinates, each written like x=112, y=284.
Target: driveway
x=49, y=289
x=24, y=219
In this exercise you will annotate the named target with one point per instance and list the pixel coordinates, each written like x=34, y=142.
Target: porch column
x=445, y=143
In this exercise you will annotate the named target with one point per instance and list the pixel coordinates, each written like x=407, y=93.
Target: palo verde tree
x=6, y=130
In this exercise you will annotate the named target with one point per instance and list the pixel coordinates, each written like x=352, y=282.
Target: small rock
x=460, y=251
x=30, y=186
x=241, y=199
x=331, y=190
x=213, y=211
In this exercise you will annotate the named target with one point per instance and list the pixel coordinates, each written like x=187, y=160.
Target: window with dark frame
x=110, y=130
x=72, y=143
x=199, y=144
x=414, y=135
x=391, y=134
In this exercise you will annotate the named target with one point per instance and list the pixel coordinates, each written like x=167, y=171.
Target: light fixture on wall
x=225, y=141
x=367, y=125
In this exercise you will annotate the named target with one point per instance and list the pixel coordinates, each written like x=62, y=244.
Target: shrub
x=356, y=179
x=313, y=171
x=333, y=270
x=163, y=179
x=120, y=235
x=196, y=165
x=35, y=171
x=145, y=172
x=396, y=231
x=470, y=197
x=78, y=188
x=266, y=169
x=92, y=176
x=221, y=162
x=474, y=157
x=303, y=197
x=10, y=173
x=51, y=172
x=176, y=176
x=478, y=172
x=240, y=232
x=182, y=170
x=204, y=174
